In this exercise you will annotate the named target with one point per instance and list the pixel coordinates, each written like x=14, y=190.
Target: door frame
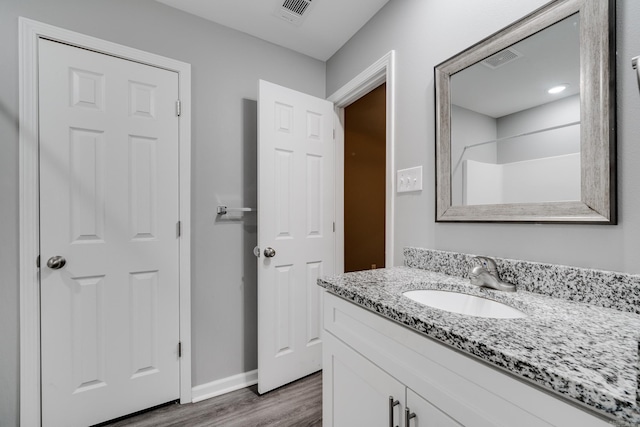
x=30, y=32
x=381, y=71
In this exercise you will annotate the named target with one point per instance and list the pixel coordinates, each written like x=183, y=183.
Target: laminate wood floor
x=298, y=404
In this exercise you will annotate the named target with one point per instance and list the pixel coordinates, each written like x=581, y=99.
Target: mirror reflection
x=515, y=122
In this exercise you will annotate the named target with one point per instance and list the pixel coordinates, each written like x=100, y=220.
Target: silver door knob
x=269, y=252
x=56, y=262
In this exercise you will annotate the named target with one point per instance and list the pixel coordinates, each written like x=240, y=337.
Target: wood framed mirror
x=511, y=149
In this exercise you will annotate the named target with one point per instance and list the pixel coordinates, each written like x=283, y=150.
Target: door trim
x=29, y=33
x=381, y=71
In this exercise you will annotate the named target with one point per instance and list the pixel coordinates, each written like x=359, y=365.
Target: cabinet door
x=427, y=415
x=357, y=391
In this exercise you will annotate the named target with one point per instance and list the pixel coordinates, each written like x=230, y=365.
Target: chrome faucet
x=483, y=271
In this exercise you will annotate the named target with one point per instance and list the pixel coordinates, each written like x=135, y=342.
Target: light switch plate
x=409, y=179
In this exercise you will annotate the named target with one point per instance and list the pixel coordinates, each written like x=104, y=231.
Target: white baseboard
x=224, y=385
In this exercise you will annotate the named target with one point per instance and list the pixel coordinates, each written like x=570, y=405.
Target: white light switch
x=409, y=179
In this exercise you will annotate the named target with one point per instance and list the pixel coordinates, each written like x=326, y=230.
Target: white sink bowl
x=464, y=304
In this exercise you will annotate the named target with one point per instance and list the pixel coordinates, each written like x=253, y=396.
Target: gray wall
x=545, y=144
x=226, y=66
x=425, y=33
x=468, y=128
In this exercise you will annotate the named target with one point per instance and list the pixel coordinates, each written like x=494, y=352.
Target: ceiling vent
x=502, y=58
x=293, y=11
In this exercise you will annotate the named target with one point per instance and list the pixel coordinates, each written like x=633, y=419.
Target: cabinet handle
x=392, y=403
x=408, y=416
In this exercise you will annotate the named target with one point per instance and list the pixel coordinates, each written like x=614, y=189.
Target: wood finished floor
x=298, y=404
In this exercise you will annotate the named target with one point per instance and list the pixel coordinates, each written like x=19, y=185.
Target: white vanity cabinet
x=363, y=394
x=360, y=390
x=368, y=358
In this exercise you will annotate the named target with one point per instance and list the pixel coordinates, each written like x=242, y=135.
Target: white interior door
x=109, y=207
x=295, y=221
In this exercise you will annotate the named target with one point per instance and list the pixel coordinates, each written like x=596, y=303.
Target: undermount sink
x=470, y=305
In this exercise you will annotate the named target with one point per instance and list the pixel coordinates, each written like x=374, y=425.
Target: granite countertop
x=584, y=352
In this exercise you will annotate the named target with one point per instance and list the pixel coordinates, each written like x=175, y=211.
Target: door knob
x=269, y=252
x=56, y=262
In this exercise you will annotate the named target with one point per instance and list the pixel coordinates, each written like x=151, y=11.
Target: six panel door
x=109, y=207
x=295, y=219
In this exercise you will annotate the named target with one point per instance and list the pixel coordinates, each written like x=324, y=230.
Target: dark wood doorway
x=364, y=181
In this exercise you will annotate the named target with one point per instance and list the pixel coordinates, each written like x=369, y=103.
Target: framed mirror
x=525, y=121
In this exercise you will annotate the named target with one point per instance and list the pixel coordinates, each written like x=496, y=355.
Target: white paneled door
x=109, y=246
x=295, y=230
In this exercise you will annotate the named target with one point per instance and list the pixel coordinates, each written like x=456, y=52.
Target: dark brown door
x=364, y=181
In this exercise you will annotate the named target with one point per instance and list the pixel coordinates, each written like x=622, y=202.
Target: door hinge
x=179, y=348
x=334, y=227
x=334, y=134
x=178, y=108
x=179, y=229
x=38, y=262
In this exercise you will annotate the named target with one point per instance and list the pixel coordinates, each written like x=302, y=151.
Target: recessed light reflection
x=557, y=89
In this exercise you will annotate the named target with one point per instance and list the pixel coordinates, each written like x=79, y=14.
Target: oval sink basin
x=470, y=305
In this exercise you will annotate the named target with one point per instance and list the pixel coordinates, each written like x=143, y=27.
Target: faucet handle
x=475, y=271
x=487, y=263
x=483, y=271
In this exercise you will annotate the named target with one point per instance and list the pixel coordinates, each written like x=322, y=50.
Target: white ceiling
x=551, y=57
x=327, y=25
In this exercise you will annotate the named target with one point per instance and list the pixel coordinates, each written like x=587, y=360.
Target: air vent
x=296, y=6
x=293, y=11
x=502, y=58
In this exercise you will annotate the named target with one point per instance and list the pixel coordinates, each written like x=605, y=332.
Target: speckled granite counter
x=584, y=352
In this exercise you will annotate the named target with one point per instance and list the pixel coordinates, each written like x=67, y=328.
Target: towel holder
x=223, y=210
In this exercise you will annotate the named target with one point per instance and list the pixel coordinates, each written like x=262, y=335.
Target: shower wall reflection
x=525, y=157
